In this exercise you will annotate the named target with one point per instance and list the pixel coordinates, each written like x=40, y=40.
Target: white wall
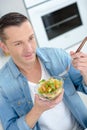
x=11, y=6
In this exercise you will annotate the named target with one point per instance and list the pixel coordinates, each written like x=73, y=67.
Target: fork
x=65, y=72
x=78, y=50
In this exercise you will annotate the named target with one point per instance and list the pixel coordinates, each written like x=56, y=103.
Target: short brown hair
x=10, y=19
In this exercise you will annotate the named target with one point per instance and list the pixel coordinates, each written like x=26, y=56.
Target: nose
x=28, y=46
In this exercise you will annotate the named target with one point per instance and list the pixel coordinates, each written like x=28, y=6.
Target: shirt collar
x=14, y=69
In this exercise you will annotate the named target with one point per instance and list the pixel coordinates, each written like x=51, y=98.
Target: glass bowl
x=50, y=88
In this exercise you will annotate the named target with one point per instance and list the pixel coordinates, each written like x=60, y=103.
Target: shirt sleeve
x=10, y=121
x=22, y=125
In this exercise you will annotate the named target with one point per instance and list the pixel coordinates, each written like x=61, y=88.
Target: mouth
x=29, y=55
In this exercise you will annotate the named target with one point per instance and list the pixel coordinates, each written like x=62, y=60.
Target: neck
x=29, y=68
x=33, y=73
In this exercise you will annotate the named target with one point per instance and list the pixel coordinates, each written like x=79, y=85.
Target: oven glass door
x=61, y=21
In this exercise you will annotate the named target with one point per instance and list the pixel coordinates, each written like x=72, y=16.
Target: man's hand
x=79, y=61
x=44, y=105
x=39, y=107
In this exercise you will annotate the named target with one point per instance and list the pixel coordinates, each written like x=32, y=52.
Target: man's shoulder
x=6, y=77
x=50, y=51
x=4, y=71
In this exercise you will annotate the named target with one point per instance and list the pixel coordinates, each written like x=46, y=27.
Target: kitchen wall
x=7, y=6
x=12, y=5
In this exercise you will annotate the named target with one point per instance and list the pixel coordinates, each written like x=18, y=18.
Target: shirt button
x=19, y=102
x=24, y=83
x=29, y=102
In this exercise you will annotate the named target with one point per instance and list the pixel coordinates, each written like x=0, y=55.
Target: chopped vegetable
x=49, y=86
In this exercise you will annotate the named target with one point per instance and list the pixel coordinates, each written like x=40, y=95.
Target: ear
x=4, y=48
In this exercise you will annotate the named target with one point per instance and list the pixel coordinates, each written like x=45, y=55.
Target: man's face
x=21, y=43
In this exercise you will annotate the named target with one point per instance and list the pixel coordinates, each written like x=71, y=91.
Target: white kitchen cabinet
x=31, y=3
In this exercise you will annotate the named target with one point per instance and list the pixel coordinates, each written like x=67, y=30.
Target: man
x=20, y=107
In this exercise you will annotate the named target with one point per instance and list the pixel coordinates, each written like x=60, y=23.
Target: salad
x=50, y=88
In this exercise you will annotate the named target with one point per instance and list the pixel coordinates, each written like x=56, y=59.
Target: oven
x=59, y=23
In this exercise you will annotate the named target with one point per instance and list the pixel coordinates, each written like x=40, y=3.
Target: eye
x=31, y=38
x=18, y=43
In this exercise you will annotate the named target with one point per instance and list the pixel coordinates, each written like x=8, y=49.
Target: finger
x=72, y=53
x=37, y=97
x=80, y=62
x=58, y=98
x=78, y=55
x=82, y=54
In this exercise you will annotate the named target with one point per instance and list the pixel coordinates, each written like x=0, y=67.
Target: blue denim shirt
x=15, y=99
